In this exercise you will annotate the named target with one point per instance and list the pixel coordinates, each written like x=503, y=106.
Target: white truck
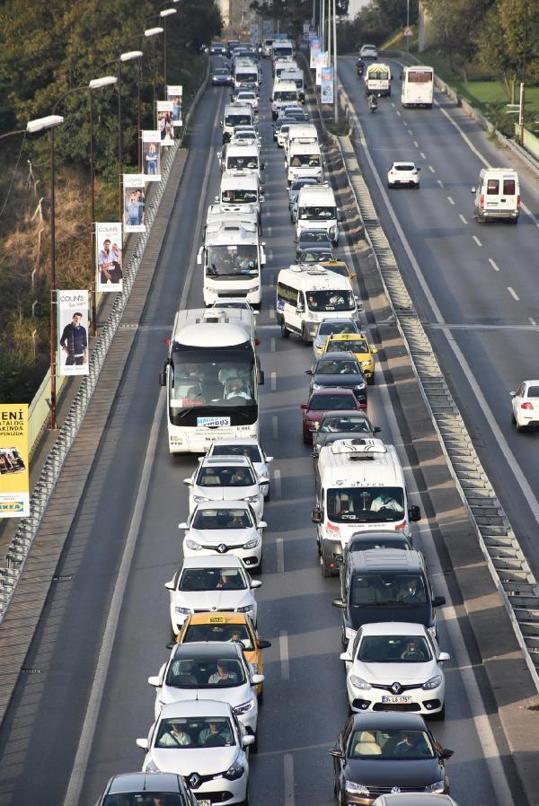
x=378, y=79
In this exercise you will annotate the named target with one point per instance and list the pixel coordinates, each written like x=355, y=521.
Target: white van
x=378, y=79
x=232, y=256
x=308, y=294
x=359, y=486
x=282, y=65
x=317, y=209
x=236, y=115
x=304, y=160
x=282, y=49
x=284, y=93
x=295, y=74
x=497, y=195
x=244, y=157
x=300, y=131
x=240, y=187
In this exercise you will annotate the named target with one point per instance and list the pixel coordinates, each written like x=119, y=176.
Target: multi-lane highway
x=475, y=286
x=105, y=626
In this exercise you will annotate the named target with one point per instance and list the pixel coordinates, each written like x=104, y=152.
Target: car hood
x=204, y=761
x=214, y=537
x=213, y=600
x=338, y=380
x=395, y=772
x=234, y=695
x=406, y=674
x=226, y=493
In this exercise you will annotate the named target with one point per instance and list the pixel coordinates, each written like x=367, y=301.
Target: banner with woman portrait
x=175, y=96
x=134, y=201
x=164, y=122
x=72, y=322
x=151, y=155
x=108, y=242
x=14, y=461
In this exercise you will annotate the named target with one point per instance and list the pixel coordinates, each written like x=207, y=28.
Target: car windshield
x=222, y=519
x=198, y=732
x=313, y=236
x=233, y=449
x=156, y=798
x=387, y=743
x=354, y=424
x=330, y=301
x=343, y=326
x=211, y=579
x=394, y=649
x=308, y=255
x=327, y=366
x=331, y=402
x=232, y=261
x=365, y=504
x=239, y=196
x=391, y=589
x=305, y=160
x=313, y=213
x=237, y=119
x=347, y=346
x=236, y=163
x=225, y=476
x=221, y=71
x=196, y=672
x=219, y=632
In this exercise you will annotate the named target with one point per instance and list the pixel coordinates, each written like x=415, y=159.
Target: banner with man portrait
x=151, y=155
x=175, y=96
x=134, y=202
x=14, y=461
x=72, y=322
x=314, y=51
x=326, y=85
x=108, y=243
x=164, y=122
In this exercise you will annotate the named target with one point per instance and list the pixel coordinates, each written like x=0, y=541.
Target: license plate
x=212, y=422
x=204, y=802
x=396, y=700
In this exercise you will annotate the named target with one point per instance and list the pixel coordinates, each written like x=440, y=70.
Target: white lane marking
x=494, y=264
x=532, y=321
x=280, y=555
x=398, y=113
x=393, y=105
x=513, y=293
x=416, y=144
x=465, y=222
x=272, y=313
x=272, y=344
x=431, y=169
x=268, y=229
x=283, y=651
x=450, y=200
x=410, y=132
x=273, y=381
x=476, y=239
x=438, y=180
x=423, y=155
x=288, y=762
x=275, y=426
x=277, y=483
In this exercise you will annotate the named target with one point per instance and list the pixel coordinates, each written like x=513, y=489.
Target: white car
x=226, y=478
x=226, y=527
x=368, y=52
x=209, y=670
x=203, y=742
x=246, y=447
x=211, y=584
x=248, y=97
x=245, y=134
x=525, y=404
x=392, y=665
x=403, y=173
x=234, y=302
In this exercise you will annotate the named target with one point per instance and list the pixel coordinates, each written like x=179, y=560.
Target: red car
x=322, y=401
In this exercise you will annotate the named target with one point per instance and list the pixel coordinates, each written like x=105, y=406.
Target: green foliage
x=375, y=22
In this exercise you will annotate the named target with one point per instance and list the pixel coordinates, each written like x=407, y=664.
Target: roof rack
x=360, y=448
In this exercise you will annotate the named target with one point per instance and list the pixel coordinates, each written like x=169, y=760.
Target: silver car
x=329, y=327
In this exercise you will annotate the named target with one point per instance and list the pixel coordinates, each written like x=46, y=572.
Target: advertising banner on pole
x=322, y=60
x=315, y=50
x=326, y=85
x=134, y=201
x=151, y=155
x=108, y=257
x=14, y=449
x=175, y=94
x=72, y=323
x=164, y=122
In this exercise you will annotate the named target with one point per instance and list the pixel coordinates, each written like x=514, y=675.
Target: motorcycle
x=360, y=67
x=373, y=103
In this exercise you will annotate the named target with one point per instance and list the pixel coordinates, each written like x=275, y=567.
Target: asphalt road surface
x=64, y=729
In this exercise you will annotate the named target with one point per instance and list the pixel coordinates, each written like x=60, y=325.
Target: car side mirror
x=303, y=406
x=154, y=681
x=414, y=513
x=163, y=378
x=473, y=190
x=142, y=743
x=316, y=515
x=246, y=741
x=374, y=350
x=512, y=394
x=308, y=372
x=444, y=656
x=199, y=256
x=256, y=583
x=338, y=603
x=188, y=482
x=335, y=753
x=262, y=524
x=269, y=459
x=339, y=559
x=345, y=656
x=446, y=753
x=182, y=525
x=263, y=644
x=261, y=377
x=256, y=679
x=438, y=601
x=376, y=429
x=170, y=585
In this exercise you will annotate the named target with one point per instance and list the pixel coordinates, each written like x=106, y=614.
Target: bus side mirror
x=316, y=516
x=199, y=256
x=163, y=375
x=261, y=377
x=414, y=513
x=473, y=190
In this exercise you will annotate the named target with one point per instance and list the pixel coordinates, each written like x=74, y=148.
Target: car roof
x=219, y=618
x=381, y=720
x=393, y=628
x=230, y=561
x=337, y=355
x=208, y=649
x=347, y=413
x=234, y=461
x=191, y=708
x=135, y=782
x=231, y=441
x=378, y=534
x=386, y=561
x=345, y=337
x=218, y=504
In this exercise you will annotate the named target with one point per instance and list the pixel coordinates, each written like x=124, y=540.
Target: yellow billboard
x=14, y=475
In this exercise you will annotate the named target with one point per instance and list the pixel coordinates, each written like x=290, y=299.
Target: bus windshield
x=365, y=504
x=232, y=261
x=239, y=196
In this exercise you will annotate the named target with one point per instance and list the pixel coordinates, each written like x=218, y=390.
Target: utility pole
x=335, y=99
x=407, y=25
x=521, y=115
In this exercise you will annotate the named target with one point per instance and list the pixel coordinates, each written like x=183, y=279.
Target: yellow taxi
x=339, y=267
x=227, y=627
x=357, y=344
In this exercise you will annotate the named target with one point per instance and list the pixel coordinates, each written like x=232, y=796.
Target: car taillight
x=401, y=527
x=518, y=201
x=481, y=200
x=527, y=405
x=332, y=528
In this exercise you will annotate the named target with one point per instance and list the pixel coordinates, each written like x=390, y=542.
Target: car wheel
x=513, y=418
x=305, y=337
x=307, y=438
x=284, y=332
x=324, y=570
x=370, y=380
x=390, y=184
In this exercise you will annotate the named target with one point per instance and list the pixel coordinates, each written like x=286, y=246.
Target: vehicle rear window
x=218, y=632
x=533, y=391
x=509, y=187
x=408, y=167
x=337, y=367
x=230, y=449
x=353, y=424
x=493, y=187
x=383, y=590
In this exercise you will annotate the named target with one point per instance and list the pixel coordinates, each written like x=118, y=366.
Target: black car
x=134, y=788
x=221, y=77
x=313, y=237
x=383, y=752
x=340, y=370
x=218, y=49
x=314, y=254
x=342, y=425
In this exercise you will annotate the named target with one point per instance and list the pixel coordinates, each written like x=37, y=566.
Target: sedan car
x=245, y=135
x=227, y=527
x=226, y=478
x=209, y=671
x=221, y=77
x=323, y=401
x=218, y=49
x=403, y=173
x=378, y=752
x=342, y=371
x=248, y=97
x=313, y=238
x=525, y=405
x=395, y=666
x=211, y=584
x=359, y=346
x=246, y=447
x=204, y=743
x=329, y=326
x=337, y=425
x=135, y=787
x=313, y=254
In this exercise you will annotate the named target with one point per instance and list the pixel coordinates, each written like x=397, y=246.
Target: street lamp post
x=335, y=100
x=128, y=56
x=149, y=32
x=407, y=25
x=164, y=14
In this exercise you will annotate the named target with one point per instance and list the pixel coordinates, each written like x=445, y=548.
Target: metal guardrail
x=506, y=561
x=21, y=543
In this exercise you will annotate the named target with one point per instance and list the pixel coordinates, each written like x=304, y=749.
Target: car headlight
x=245, y=609
x=317, y=386
x=252, y=544
x=356, y=789
x=234, y=772
x=254, y=288
x=437, y=786
x=359, y=387
x=183, y=611
x=244, y=707
x=191, y=544
x=434, y=682
x=151, y=766
x=252, y=499
x=358, y=682
x=200, y=499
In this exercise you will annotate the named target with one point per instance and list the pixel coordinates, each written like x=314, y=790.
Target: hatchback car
x=395, y=666
x=329, y=326
x=403, y=173
x=342, y=371
x=359, y=346
x=204, y=743
x=248, y=97
x=246, y=447
x=209, y=671
x=368, y=52
x=377, y=753
x=341, y=425
x=525, y=405
x=225, y=527
x=226, y=478
x=323, y=401
x=134, y=788
x=211, y=584
x=313, y=238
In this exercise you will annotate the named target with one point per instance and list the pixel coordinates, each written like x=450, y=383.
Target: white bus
x=211, y=376
x=417, y=86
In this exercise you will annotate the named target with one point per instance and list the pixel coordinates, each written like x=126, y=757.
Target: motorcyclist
x=360, y=67
x=373, y=103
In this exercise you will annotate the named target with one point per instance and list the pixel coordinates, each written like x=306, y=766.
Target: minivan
x=497, y=195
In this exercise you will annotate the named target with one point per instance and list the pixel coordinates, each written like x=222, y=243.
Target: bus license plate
x=212, y=422
x=396, y=700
